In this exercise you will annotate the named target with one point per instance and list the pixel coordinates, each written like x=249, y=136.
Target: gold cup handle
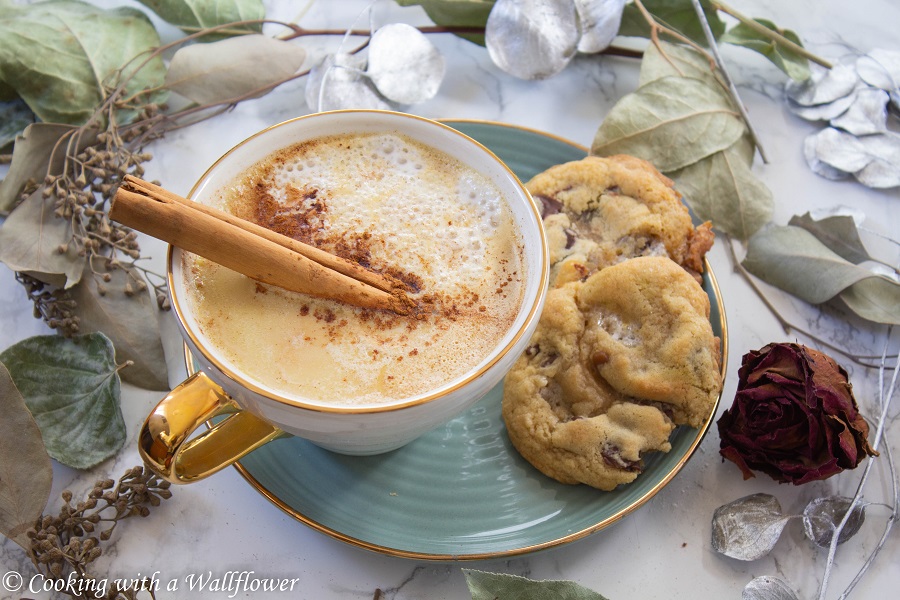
x=165, y=441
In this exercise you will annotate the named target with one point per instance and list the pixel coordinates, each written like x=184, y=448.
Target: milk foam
x=414, y=209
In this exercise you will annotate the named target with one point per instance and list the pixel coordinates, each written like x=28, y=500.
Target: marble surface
x=663, y=550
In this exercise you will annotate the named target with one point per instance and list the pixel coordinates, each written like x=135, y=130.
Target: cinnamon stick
x=250, y=249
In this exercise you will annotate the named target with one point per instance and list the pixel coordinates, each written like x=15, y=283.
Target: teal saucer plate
x=462, y=492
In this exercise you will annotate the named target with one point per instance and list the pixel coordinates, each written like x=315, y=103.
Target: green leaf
x=456, y=13
x=26, y=473
x=793, y=259
x=15, y=116
x=61, y=56
x=40, y=149
x=675, y=14
x=721, y=188
x=130, y=321
x=192, y=16
x=672, y=122
x=491, y=586
x=795, y=65
x=839, y=233
x=30, y=238
x=219, y=71
x=71, y=386
x=674, y=60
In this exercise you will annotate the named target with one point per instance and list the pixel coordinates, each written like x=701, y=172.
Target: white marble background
x=660, y=552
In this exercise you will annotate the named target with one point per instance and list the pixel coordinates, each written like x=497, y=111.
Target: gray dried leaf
x=880, y=69
x=229, y=69
x=883, y=170
x=823, y=112
x=817, y=166
x=823, y=86
x=339, y=82
x=822, y=516
x=749, y=527
x=404, y=65
x=532, y=39
x=838, y=231
x=841, y=150
x=600, y=21
x=768, y=588
x=866, y=115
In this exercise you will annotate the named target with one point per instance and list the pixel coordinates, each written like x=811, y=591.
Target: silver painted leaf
x=404, y=65
x=823, y=112
x=866, y=115
x=532, y=39
x=339, y=82
x=768, y=588
x=880, y=69
x=817, y=166
x=749, y=527
x=822, y=516
x=841, y=150
x=883, y=171
x=823, y=86
x=600, y=21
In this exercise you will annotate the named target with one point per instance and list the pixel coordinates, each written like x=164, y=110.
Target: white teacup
x=260, y=414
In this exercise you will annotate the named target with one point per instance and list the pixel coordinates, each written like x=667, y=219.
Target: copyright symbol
x=12, y=581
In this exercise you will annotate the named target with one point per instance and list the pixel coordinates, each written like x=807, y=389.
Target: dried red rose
x=793, y=417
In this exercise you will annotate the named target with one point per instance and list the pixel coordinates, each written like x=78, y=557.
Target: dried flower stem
x=885, y=401
x=729, y=82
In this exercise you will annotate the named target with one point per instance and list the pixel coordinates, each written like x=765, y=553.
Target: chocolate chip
x=613, y=457
x=549, y=206
x=599, y=357
x=570, y=238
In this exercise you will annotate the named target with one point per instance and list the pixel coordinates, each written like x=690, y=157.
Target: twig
x=879, y=434
x=729, y=82
x=772, y=35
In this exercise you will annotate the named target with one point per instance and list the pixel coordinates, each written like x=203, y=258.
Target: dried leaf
x=532, y=39
x=675, y=61
x=30, y=238
x=71, y=386
x=193, y=15
x=822, y=516
x=32, y=158
x=823, y=85
x=26, y=473
x=60, y=55
x=672, y=122
x=866, y=115
x=338, y=82
x=676, y=14
x=880, y=68
x=749, y=527
x=793, y=64
x=490, y=586
x=456, y=13
x=721, y=188
x=130, y=321
x=15, y=116
x=600, y=21
x=232, y=68
x=404, y=65
x=793, y=259
x=838, y=232
x=768, y=588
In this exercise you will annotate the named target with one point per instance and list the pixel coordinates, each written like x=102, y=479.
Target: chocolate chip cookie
x=600, y=211
x=618, y=360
